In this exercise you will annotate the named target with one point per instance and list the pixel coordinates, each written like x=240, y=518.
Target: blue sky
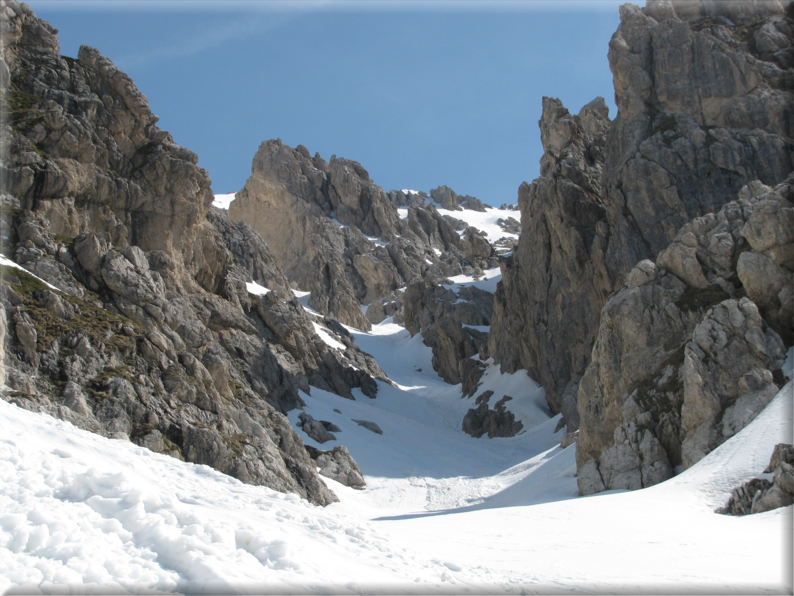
x=421, y=94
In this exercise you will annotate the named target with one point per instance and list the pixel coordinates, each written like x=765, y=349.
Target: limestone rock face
x=704, y=91
x=447, y=323
x=546, y=307
x=338, y=465
x=684, y=358
x=151, y=335
x=252, y=255
x=347, y=244
x=132, y=183
x=2, y=343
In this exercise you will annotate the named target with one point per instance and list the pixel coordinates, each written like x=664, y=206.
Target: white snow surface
x=223, y=201
x=441, y=512
x=487, y=282
x=485, y=221
x=327, y=337
x=256, y=289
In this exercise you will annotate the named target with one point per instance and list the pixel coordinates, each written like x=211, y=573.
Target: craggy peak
x=316, y=385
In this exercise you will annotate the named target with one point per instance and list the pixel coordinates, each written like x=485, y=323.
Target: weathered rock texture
x=759, y=495
x=684, y=359
x=704, y=95
x=346, y=243
x=546, y=307
x=338, y=465
x=496, y=422
x=151, y=336
x=447, y=322
x=449, y=199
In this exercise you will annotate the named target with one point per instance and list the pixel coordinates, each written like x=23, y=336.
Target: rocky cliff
x=347, y=244
x=704, y=95
x=689, y=351
x=129, y=314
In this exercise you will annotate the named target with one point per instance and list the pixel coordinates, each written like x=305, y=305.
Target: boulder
x=496, y=422
x=369, y=425
x=338, y=465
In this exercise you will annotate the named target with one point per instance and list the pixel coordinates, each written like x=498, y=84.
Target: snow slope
x=485, y=221
x=441, y=511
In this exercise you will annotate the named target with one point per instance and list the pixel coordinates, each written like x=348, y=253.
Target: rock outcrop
x=704, y=95
x=452, y=201
x=546, y=307
x=759, y=495
x=147, y=331
x=338, y=465
x=684, y=359
x=447, y=321
x=347, y=244
x=496, y=422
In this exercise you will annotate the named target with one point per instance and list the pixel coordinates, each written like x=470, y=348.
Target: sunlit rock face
x=338, y=235
x=690, y=350
x=703, y=91
x=147, y=331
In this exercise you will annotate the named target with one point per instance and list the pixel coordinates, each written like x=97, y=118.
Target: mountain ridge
x=102, y=204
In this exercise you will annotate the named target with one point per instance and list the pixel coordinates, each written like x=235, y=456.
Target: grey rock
x=759, y=495
x=679, y=365
x=348, y=245
x=154, y=332
x=338, y=465
x=26, y=334
x=443, y=317
x=562, y=234
x=75, y=399
x=701, y=112
x=781, y=453
x=55, y=304
x=2, y=343
x=446, y=197
x=449, y=199
x=726, y=375
x=742, y=497
x=369, y=425
x=569, y=439
x=510, y=225
x=496, y=422
x=315, y=429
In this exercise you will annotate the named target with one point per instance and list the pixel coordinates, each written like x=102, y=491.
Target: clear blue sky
x=421, y=94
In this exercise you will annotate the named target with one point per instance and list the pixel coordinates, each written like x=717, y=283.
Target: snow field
x=80, y=509
x=484, y=221
x=663, y=539
x=488, y=281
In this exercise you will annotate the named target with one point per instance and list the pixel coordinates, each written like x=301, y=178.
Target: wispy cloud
x=207, y=38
